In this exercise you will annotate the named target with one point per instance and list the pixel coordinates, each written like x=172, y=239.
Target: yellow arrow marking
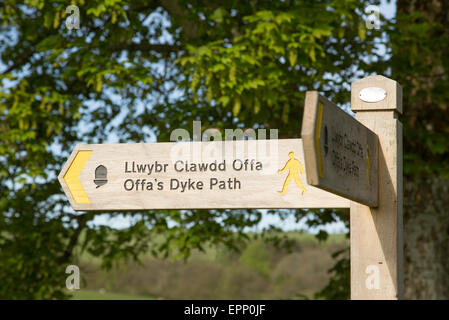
x=317, y=139
x=72, y=174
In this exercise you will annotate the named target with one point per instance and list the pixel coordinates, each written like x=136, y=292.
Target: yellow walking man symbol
x=292, y=165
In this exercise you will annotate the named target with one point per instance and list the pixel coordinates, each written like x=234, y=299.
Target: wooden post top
x=376, y=93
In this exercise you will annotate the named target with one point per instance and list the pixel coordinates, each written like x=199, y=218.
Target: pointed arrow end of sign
x=70, y=176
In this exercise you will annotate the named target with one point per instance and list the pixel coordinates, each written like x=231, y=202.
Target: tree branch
x=82, y=221
x=19, y=62
x=181, y=16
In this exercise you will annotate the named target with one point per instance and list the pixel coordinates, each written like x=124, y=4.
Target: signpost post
x=339, y=159
x=377, y=233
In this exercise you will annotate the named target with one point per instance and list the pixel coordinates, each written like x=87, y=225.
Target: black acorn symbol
x=101, y=176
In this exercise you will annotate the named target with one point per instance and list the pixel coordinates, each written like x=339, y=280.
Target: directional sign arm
x=340, y=153
x=219, y=174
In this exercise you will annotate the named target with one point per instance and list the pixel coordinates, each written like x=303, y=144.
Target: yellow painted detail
x=368, y=167
x=317, y=139
x=293, y=166
x=72, y=174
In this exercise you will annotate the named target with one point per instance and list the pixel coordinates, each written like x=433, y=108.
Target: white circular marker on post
x=372, y=94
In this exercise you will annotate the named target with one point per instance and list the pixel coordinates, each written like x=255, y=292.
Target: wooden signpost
x=338, y=159
x=361, y=159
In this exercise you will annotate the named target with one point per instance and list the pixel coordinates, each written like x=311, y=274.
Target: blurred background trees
x=136, y=70
x=420, y=62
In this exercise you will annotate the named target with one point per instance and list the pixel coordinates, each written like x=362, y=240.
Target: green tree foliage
x=256, y=257
x=136, y=70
